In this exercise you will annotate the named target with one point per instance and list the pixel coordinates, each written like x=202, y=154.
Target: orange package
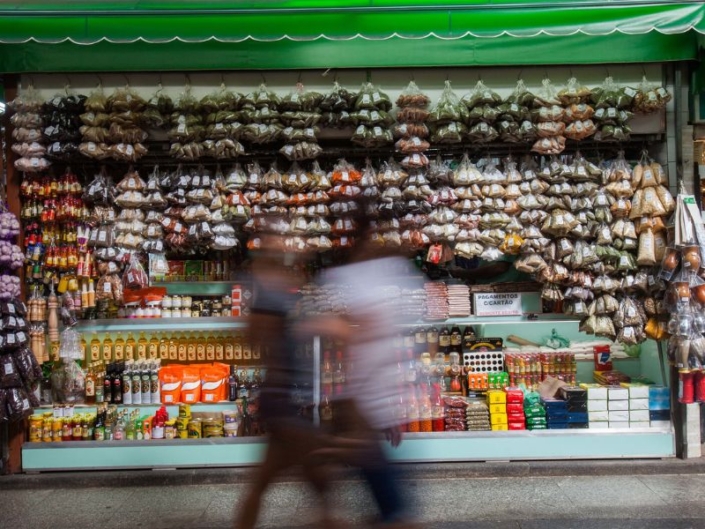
x=170, y=382
x=212, y=384
x=191, y=385
x=225, y=370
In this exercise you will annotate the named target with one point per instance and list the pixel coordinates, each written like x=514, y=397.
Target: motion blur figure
x=291, y=436
x=365, y=412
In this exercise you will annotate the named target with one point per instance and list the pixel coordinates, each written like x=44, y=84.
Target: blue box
x=554, y=404
x=659, y=392
x=660, y=415
x=577, y=417
x=557, y=425
x=578, y=425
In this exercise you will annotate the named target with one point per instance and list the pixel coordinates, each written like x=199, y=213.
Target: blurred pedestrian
x=291, y=435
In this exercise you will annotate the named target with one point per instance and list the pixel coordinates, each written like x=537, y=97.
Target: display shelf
x=173, y=409
x=489, y=320
x=416, y=448
x=196, y=288
x=161, y=324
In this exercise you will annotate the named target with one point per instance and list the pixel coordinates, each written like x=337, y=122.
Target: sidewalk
x=556, y=495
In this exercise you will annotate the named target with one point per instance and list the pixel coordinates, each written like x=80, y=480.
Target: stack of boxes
x=477, y=415
x=618, y=407
x=534, y=412
x=659, y=407
x=556, y=413
x=497, y=402
x=515, y=409
x=638, y=404
x=576, y=399
x=598, y=414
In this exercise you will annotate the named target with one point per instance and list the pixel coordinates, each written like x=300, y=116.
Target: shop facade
x=211, y=49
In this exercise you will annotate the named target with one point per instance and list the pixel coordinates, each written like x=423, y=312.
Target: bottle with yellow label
x=142, y=345
x=163, y=348
x=119, y=348
x=236, y=341
x=130, y=347
x=200, y=347
x=219, y=346
x=84, y=348
x=95, y=347
x=229, y=348
x=107, y=349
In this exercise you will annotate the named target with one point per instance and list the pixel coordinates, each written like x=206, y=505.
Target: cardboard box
x=557, y=425
x=639, y=416
x=636, y=391
x=597, y=405
x=578, y=406
x=577, y=417
x=496, y=396
x=500, y=427
x=573, y=394
x=515, y=407
x=578, y=425
x=638, y=404
x=618, y=424
x=618, y=416
x=660, y=415
x=598, y=416
x=639, y=424
x=595, y=391
x=516, y=425
x=659, y=404
x=617, y=393
x=599, y=425
x=659, y=392
x=618, y=405
x=499, y=418
x=498, y=408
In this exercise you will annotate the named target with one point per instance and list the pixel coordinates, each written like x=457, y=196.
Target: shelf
x=478, y=320
x=161, y=324
x=173, y=409
x=416, y=448
x=196, y=288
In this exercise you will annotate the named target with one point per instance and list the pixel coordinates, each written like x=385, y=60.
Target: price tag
x=377, y=131
x=35, y=162
x=181, y=128
x=376, y=97
x=107, y=287
x=91, y=146
x=21, y=336
x=295, y=98
x=8, y=367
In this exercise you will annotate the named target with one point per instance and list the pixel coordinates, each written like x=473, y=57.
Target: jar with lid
x=166, y=313
x=195, y=313
x=166, y=302
x=186, y=312
x=186, y=302
x=175, y=313
x=176, y=302
x=227, y=301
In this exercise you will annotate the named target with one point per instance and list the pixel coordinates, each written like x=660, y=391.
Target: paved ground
x=509, y=500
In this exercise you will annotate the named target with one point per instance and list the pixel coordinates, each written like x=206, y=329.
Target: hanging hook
x=127, y=81
x=325, y=72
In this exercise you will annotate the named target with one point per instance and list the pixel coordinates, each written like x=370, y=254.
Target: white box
x=662, y=425
x=619, y=416
x=618, y=405
x=597, y=416
x=618, y=424
x=597, y=405
x=638, y=404
x=599, y=425
x=597, y=393
x=639, y=416
x=639, y=424
x=617, y=393
x=638, y=391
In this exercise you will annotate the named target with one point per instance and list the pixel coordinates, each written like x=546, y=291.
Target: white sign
x=508, y=304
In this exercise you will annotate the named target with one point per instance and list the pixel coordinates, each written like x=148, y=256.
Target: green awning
x=145, y=35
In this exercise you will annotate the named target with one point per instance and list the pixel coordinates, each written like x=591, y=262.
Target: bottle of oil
x=163, y=349
x=191, y=347
x=84, y=348
x=246, y=353
x=142, y=345
x=130, y=347
x=173, y=348
x=90, y=386
x=182, y=342
x=153, y=348
x=210, y=348
x=119, y=348
x=201, y=347
x=219, y=346
x=95, y=348
x=107, y=349
x=230, y=347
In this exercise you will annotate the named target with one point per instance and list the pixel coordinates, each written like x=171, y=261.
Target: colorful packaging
x=170, y=382
x=191, y=385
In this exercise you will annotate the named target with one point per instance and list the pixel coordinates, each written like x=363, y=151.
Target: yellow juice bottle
x=95, y=347
x=191, y=347
x=209, y=342
x=229, y=349
x=163, y=349
x=173, y=348
x=182, y=343
x=219, y=347
x=236, y=340
x=200, y=347
x=84, y=348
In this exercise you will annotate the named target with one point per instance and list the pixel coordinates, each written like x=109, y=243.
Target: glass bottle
x=173, y=348
x=201, y=347
x=244, y=389
x=119, y=348
x=90, y=386
x=127, y=384
x=409, y=339
x=107, y=349
x=420, y=340
x=182, y=343
x=142, y=345
x=468, y=338
x=108, y=384
x=163, y=349
x=233, y=384
x=327, y=375
x=425, y=412
x=325, y=410
x=432, y=340
x=231, y=351
x=246, y=353
x=412, y=408
x=146, y=383
x=338, y=373
x=99, y=388
x=411, y=370
x=444, y=340
x=191, y=347
x=130, y=346
x=455, y=373
x=137, y=383
x=116, y=383
x=209, y=342
x=219, y=345
x=95, y=348
x=84, y=348
x=153, y=348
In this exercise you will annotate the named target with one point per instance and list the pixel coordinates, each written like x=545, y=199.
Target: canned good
x=56, y=430
x=182, y=423
x=170, y=429
x=36, y=429
x=230, y=416
x=195, y=429
x=47, y=426
x=230, y=429
x=212, y=428
x=185, y=410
